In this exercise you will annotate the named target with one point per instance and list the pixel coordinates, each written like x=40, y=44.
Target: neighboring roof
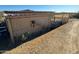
x=64, y=39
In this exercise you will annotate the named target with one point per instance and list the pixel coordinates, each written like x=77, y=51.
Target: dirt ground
x=63, y=40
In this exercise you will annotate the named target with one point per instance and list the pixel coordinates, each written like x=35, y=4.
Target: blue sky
x=56, y=8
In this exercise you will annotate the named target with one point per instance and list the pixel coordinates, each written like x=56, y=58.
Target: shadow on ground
x=5, y=41
x=39, y=33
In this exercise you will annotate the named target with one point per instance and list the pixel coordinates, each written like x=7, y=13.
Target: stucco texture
x=63, y=40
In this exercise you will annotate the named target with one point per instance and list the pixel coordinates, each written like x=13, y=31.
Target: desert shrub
x=23, y=37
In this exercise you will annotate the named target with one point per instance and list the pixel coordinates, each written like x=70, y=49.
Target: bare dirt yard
x=64, y=39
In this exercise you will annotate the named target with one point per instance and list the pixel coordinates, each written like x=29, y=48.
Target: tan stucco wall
x=21, y=24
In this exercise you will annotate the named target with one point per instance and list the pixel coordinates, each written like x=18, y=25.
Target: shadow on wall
x=4, y=39
x=31, y=36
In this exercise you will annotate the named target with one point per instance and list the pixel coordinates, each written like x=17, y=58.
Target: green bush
x=23, y=36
